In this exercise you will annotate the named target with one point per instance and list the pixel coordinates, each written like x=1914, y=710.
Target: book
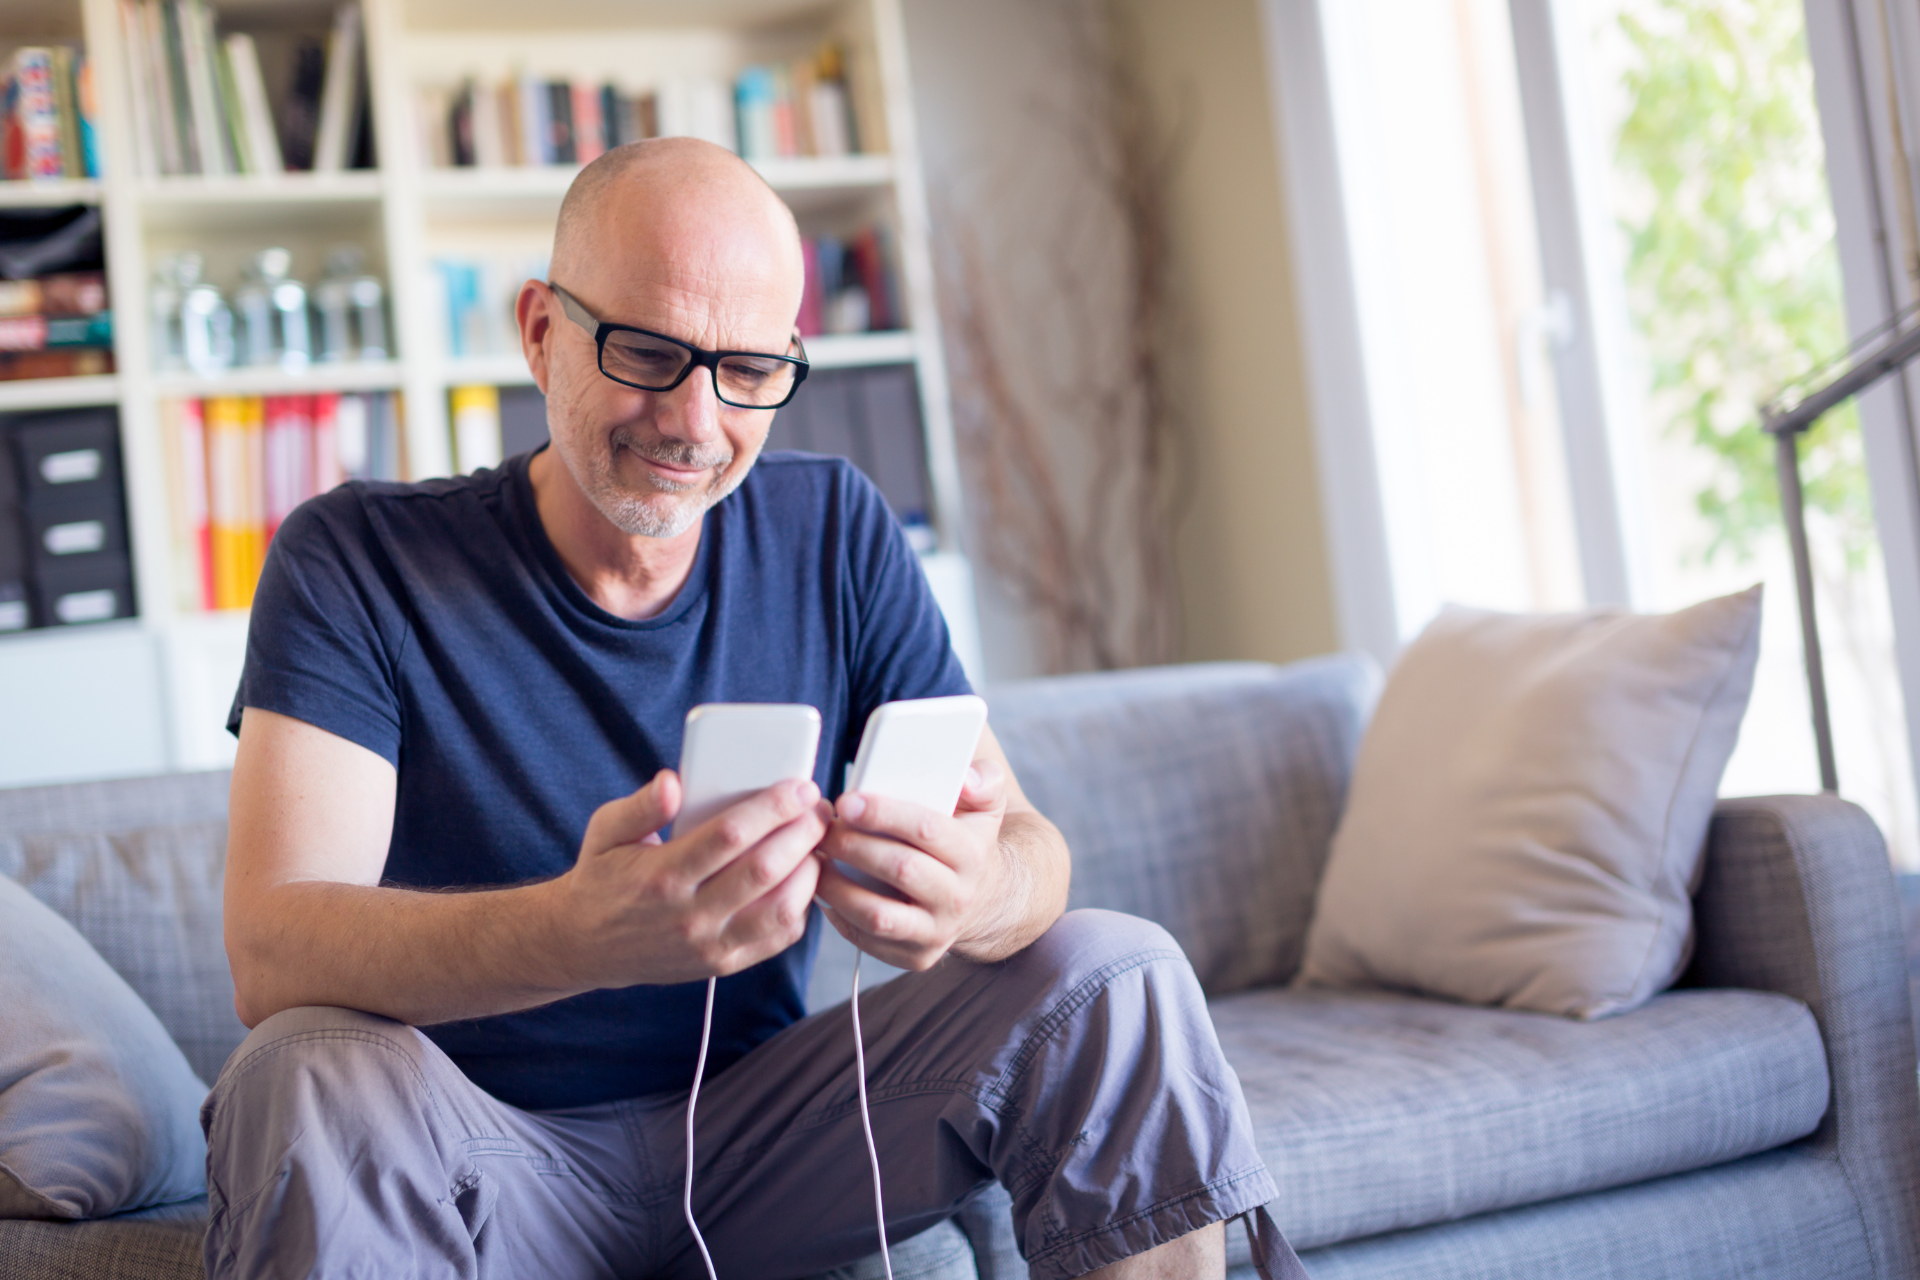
x=89, y=117
x=350, y=437
x=559, y=147
x=183, y=439
x=300, y=113
x=146, y=150
x=210, y=139
x=67, y=362
x=41, y=333
x=327, y=471
x=535, y=121
x=476, y=427
x=226, y=447
x=66, y=107
x=232, y=128
x=253, y=527
x=339, y=107
x=180, y=96
x=288, y=457
x=33, y=117
x=81, y=293
x=254, y=115
x=589, y=125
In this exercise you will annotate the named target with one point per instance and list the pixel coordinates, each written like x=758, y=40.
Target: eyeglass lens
x=652, y=364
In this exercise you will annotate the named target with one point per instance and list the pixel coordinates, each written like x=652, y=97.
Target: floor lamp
x=1786, y=424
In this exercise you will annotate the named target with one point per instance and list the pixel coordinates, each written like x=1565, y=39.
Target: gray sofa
x=1761, y=1120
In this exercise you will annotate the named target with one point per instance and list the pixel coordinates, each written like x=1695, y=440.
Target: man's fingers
x=631, y=819
x=755, y=872
x=893, y=927
x=924, y=879
x=737, y=828
x=774, y=921
x=908, y=823
x=985, y=787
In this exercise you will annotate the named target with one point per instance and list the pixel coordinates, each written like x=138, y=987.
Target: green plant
x=1732, y=275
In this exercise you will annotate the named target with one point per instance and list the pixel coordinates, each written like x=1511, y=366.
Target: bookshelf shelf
x=387, y=375
x=51, y=193
x=483, y=194
x=58, y=393
x=356, y=187
x=498, y=371
x=851, y=350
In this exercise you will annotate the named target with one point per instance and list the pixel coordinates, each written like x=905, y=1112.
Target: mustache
x=674, y=454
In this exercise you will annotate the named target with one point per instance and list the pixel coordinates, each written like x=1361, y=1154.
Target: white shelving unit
x=174, y=672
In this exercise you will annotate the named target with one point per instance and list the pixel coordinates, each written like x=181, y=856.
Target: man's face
x=652, y=462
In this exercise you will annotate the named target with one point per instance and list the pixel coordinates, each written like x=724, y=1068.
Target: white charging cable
x=866, y=1124
x=866, y=1120
x=700, y=1069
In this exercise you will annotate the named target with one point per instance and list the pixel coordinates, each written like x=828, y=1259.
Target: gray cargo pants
x=1083, y=1074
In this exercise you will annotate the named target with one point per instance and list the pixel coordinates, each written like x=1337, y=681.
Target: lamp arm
x=1786, y=424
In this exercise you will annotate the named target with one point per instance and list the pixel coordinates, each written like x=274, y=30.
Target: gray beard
x=633, y=514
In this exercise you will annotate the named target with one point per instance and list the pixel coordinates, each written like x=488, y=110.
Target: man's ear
x=533, y=309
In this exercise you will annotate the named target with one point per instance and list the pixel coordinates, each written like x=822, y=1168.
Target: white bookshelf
x=177, y=670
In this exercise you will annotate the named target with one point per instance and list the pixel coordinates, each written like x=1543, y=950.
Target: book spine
x=476, y=427
x=811, y=320
x=184, y=435
x=560, y=148
x=226, y=499
x=589, y=124
x=254, y=527
x=89, y=104
x=263, y=145
x=233, y=128
x=203, y=90
x=133, y=41
x=66, y=106
x=535, y=128
x=337, y=110
x=325, y=466
x=37, y=113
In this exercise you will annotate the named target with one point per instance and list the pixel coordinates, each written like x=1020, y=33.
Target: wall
x=1252, y=557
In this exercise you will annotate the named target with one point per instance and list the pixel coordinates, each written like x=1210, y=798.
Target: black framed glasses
x=650, y=361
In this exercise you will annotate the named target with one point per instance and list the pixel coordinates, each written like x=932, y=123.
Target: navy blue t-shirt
x=435, y=625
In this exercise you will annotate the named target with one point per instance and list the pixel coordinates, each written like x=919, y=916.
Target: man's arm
x=308, y=923
x=983, y=883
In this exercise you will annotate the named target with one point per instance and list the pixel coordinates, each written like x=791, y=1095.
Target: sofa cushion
x=1530, y=806
x=1378, y=1111
x=148, y=899
x=1202, y=797
x=153, y=1244
x=98, y=1110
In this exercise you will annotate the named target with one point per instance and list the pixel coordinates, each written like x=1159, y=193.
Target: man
x=443, y=680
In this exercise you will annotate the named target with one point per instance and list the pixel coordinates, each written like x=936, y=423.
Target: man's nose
x=691, y=411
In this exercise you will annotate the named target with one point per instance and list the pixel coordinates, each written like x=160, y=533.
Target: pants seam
x=1084, y=992
x=1207, y=1189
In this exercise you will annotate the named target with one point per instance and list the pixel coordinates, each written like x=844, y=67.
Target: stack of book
x=56, y=326
x=800, y=109
x=48, y=126
x=238, y=465
x=201, y=105
x=851, y=285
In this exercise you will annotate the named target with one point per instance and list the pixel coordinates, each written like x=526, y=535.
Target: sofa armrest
x=1797, y=897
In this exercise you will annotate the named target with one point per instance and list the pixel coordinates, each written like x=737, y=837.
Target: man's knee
x=1089, y=942
x=317, y=1066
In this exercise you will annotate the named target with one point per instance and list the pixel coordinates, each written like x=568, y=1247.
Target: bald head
x=677, y=213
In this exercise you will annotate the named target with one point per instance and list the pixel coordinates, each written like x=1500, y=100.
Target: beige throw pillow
x=1530, y=804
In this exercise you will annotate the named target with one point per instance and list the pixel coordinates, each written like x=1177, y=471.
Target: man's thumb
x=631, y=819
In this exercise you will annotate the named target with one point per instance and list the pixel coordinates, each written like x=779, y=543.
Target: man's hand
x=952, y=874
x=715, y=900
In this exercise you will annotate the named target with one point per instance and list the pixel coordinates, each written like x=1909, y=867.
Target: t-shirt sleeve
x=902, y=648
x=325, y=636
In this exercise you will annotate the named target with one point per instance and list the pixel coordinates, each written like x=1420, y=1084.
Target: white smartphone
x=919, y=750
x=732, y=749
